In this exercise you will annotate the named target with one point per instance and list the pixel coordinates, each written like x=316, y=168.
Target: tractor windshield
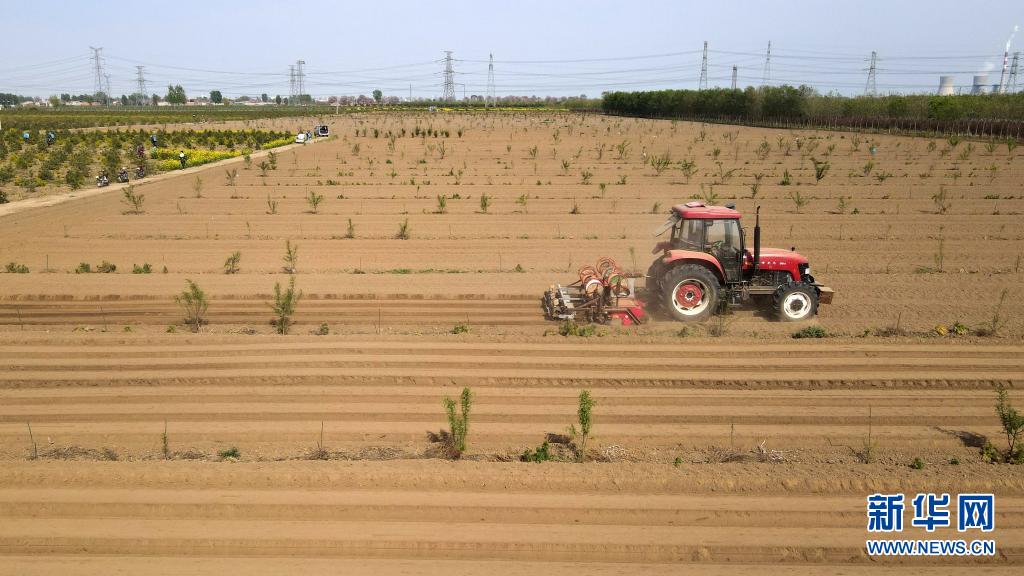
x=723, y=234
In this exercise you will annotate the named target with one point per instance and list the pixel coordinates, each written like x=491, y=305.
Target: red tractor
x=704, y=264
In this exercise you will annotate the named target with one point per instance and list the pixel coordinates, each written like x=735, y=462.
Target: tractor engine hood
x=778, y=258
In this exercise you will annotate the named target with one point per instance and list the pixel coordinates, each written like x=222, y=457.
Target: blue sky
x=539, y=47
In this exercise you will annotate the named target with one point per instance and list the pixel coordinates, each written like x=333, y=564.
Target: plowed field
x=741, y=452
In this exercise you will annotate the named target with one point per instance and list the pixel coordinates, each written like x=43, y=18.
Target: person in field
x=182, y=158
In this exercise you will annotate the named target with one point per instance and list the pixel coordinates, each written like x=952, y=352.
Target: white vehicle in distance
x=300, y=138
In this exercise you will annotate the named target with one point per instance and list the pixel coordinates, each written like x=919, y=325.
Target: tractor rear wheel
x=690, y=292
x=654, y=274
x=796, y=302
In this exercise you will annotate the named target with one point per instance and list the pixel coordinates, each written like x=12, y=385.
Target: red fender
x=673, y=256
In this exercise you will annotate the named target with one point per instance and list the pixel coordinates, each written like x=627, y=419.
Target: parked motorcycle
x=102, y=180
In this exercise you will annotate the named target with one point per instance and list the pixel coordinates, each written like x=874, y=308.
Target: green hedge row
x=803, y=103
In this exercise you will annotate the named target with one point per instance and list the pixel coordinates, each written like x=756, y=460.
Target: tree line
x=805, y=104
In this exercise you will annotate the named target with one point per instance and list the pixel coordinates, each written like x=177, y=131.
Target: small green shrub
x=458, y=424
x=786, y=178
x=314, y=200
x=323, y=330
x=460, y=329
x=583, y=414
x=15, y=268
x=917, y=464
x=571, y=328
x=811, y=332
x=146, y=268
x=1012, y=423
x=284, y=305
x=230, y=453
x=106, y=268
x=539, y=454
x=133, y=200
x=232, y=262
x=193, y=302
x=291, y=256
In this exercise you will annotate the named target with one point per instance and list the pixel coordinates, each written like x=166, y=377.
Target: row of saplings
x=571, y=446
x=193, y=302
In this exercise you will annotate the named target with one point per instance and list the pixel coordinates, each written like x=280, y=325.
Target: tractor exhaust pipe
x=757, y=239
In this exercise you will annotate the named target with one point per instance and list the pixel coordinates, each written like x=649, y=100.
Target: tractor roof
x=698, y=210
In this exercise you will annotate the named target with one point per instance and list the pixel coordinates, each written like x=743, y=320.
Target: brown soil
x=675, y=476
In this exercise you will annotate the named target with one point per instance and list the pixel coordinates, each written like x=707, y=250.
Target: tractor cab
x=713, y=230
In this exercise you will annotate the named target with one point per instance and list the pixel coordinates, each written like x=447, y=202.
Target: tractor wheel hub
x=689, y=295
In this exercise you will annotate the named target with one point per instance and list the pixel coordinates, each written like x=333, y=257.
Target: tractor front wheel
x=690, y=292
x=796, y=302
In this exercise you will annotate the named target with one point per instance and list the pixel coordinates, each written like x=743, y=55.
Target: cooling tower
x=946, y=85
x=980, y=85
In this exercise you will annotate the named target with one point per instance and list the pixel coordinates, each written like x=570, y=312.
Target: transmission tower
x=490, y=100
x=141, y=80
x=734, y=77
x=869, y=88
x=703, y=83
x=291, y=85
x=300, y=79
x=1011, y=80
x=97, y=59
x=767, y=66
x=449, y=78
x=107, y=78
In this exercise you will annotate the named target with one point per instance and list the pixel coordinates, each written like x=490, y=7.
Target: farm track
x=85, y=361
